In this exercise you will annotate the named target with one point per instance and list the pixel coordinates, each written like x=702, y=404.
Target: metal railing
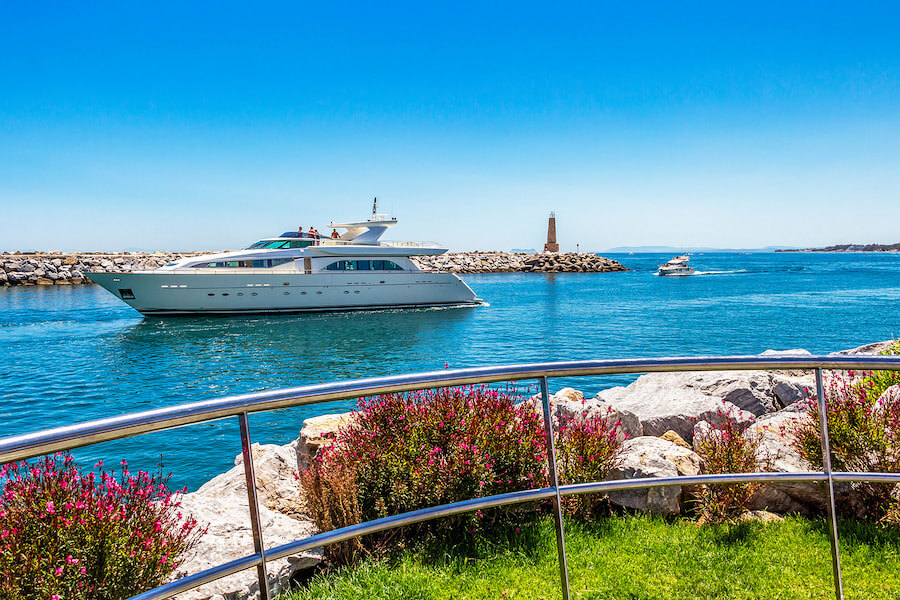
x=63, y=438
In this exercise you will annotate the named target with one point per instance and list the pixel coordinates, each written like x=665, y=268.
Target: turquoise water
x=75, y=353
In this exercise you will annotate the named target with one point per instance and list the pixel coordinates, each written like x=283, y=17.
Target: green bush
x=588, y=450
x=864, y=435
x=725, y=449
x=403, y=452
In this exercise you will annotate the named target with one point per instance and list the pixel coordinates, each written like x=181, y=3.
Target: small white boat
x=677, y=267
x=295, y=272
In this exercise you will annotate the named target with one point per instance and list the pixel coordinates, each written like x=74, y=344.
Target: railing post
x=258, y=546
x=554, y=483
x=826, y=463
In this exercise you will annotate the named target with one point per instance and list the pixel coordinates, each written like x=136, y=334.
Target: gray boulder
x=873, y=348
x=673, y=401
x=653, y=457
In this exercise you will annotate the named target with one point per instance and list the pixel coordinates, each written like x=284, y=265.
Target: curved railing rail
x=63, y=438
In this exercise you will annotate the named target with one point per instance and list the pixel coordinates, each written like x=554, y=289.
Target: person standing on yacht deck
x=334, y=234
x=300, y=231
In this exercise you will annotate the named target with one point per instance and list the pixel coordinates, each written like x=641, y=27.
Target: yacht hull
x=163, y=293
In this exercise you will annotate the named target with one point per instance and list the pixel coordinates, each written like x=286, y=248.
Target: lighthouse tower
x=551, y=245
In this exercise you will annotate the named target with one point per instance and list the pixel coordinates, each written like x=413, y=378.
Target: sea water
x=74, y=353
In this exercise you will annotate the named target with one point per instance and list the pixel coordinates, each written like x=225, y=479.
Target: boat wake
x=721, y=272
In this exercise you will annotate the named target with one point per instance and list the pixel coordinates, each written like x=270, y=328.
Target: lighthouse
x=551, y=245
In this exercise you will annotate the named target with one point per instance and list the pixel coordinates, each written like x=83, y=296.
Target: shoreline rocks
x=60, y=268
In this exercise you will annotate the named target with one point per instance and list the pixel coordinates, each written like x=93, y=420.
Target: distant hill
x=679, y=250
x=849, y=248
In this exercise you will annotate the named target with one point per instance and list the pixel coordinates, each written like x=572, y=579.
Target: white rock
x=317, y=432
x=222, y=504
x=776, y=434
x=653, y=457
x=888, y=399
x=626, y=424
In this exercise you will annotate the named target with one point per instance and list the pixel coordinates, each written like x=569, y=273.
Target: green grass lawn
x=635, y=558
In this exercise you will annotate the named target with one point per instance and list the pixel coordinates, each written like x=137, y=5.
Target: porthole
x=302, y=293
x=287, y=293
x=240, y=293
x=355, y=291
x=319, y=293
x=225, y=294
x=346, y=291
x=210, y=294
x=253, y=294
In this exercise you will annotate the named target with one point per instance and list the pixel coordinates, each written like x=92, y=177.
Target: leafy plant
x=403, y=452
x=587, y=449
x=724, y=448
x=864, y=435
x=65, y=535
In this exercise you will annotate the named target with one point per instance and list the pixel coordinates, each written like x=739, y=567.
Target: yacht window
x=257, y=245
x=385, y=265
x=300, y=243
x=363, y=265
x=277, y=244
x=341, y=265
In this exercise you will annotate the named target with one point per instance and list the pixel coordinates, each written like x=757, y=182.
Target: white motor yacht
x=678, y=266
x=295, y=272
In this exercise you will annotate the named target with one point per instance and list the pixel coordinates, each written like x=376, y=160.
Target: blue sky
x=207, y=125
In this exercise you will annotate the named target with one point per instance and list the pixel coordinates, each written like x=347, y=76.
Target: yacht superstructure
x=295, y=272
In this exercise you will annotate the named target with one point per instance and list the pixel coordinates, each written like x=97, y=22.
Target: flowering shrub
x=863, y=434
x=587, y=451
x=876, y=382
x=724, y=448
x=71, y=536
x=403, y=452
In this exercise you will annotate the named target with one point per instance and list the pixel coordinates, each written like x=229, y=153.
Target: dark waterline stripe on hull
x=256, y=311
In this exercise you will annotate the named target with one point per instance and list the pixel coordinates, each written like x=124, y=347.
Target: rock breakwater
x=518, y=262
x=60, y=268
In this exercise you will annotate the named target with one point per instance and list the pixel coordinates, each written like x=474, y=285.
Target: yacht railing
x=73, y=436
x=397, y=244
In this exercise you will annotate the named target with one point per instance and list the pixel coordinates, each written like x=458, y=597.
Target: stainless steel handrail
x=33, y=444
x=103, y=430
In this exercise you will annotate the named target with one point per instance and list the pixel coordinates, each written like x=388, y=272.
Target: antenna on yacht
x=374, y=208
